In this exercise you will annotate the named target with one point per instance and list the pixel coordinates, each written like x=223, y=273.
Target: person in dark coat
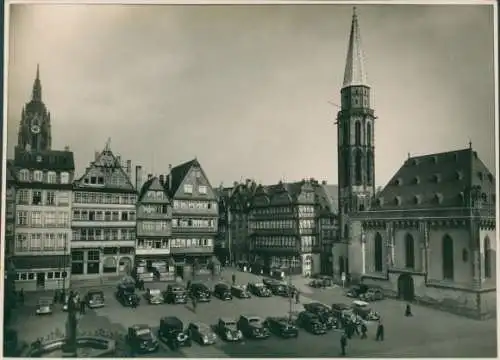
x=297, y=297
x=343, y=343
x=348, y=329
x=193, y=301
x=364, y=329
x=56, y=296
x=408, y=310
x=233, y=278
x=62, y=297
x=380, y=332
x=188, y=285
x=82, y=307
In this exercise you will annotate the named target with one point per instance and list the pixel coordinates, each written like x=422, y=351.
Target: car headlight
x=229, y=335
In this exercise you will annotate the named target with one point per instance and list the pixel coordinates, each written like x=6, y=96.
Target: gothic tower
x=355, y=134
x=34, y=129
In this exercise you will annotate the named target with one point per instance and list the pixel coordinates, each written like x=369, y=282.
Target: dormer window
x=398, y=182
x=480, y=175
x=438, y=198
x=188, y=189
x=459, y=175
x=414, y=162
x=397, y=200
x=24, y=175
x=416, y=180
x=416, y=199
x=436, y=178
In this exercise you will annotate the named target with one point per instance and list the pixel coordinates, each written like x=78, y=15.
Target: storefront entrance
x=406, y=287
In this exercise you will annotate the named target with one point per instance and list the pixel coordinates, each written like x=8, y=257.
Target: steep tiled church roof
x=441, y=180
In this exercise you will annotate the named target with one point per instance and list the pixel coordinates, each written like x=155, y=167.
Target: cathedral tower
x=34, y=129
x=355, y=134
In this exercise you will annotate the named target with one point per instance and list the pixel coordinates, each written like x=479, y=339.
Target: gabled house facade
x=104, y=219
x=194, y=218
x=327, y=222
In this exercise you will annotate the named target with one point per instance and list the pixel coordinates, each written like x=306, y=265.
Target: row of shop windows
x=28, y=276
x=42, y=197
x=103, y=198
x=97, y=215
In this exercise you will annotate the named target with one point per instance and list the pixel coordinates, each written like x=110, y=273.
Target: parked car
x=154, y=296
x=172, y=332
x=240, y=291
x=223, y=291
x=94, y=298
x=311, y=323
x=175, y=294
x=276, y=287
x=356, y=290
x=316, y=283
x=228, y=329
x=282, y=326
x=202, y=333
x=341, y=310
x=141, y=339
x=201, y=292
x=323, y=280
x=253, y=327
x=324, y=313
x=363, y=310
x=372, y=294
x=127, y=298
x=44, y=306
x=259, y=289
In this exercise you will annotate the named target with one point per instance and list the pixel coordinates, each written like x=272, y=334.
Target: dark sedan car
x=259, y=289
x=282, y=326
x=311, y=323
x=172, y=332
x=324, y=313
x=228, y=329
x=223, y=291
x=356, y=290
x=200, y=291
x=253, y=327
x=141, y=339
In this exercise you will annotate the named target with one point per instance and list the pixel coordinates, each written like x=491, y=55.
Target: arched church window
x=409, y=251
x=357, y=167
x=378, y=252
x=369, y=134
x=357, y=133
x=369, y=167
x=447, y=258
x=487, y=257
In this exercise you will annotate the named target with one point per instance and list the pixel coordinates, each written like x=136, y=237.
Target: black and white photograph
x=238, y=179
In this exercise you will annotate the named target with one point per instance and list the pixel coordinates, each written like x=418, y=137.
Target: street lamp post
x=290, y=300
x=70, y=346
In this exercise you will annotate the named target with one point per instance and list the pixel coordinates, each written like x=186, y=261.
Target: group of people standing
x=359, y=328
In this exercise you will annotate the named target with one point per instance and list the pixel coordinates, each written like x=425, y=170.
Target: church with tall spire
x=35, y=129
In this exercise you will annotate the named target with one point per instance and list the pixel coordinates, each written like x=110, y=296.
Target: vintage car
x=363, y=310
x=372, y=294
x=154, y=296
x=324, y=313
x=253, y=327
x=94, y=298
x=175, y=294
x=223, y=291
x=259, y=289
x=172, y=332
x=201, y=292
x=356, y=291
x=341, y=310
x=240, y=292
x=321, y=281
x=201, y=333
x=141, y=339
x=282, y=326
x=44, y=306
x=228, y=329
x=279, y=287
x=311, y=323
x=128, y=298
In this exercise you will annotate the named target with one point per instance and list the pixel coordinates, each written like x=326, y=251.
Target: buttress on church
x=429, y=235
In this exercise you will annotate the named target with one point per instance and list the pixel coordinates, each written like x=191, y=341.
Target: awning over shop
x=41, y=262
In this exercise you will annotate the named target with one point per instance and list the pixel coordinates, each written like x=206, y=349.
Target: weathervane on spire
x=470, y=144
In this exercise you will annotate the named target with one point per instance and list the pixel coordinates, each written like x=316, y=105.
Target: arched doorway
x=406, y=287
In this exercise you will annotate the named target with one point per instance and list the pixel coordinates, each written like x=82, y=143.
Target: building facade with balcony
x=103, y=219
x=283, y=228
x=42, y=233
x=195, y=216
x=154, y=230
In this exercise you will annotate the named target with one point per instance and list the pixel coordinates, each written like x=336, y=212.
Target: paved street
x=430, y=333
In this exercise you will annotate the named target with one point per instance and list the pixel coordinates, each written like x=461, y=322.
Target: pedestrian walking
x=343, y=343
x=348, y=330
x=56, y=296
x=193, y=300
x=380, y=332
x=364, y=329
x=62, y=297
x=408, y=310
x=355, y=327
x=233, y=278
x=188, y=285
x=82, y=308
x=297, y=297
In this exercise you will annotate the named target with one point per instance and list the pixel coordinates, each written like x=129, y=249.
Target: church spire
x=354, y=67
x=37, y=86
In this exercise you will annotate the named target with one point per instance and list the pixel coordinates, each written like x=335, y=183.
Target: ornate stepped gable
x=441, y=180
x=107, y=171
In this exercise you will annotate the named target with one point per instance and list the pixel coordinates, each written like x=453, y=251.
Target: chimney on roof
x=169, y=177
x=235, y=183
x=150, y=176
x=66, y=148
x=138, y=177
x=129, y=169
x=162, y=179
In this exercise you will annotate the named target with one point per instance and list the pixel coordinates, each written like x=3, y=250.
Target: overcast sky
x=246, y=88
